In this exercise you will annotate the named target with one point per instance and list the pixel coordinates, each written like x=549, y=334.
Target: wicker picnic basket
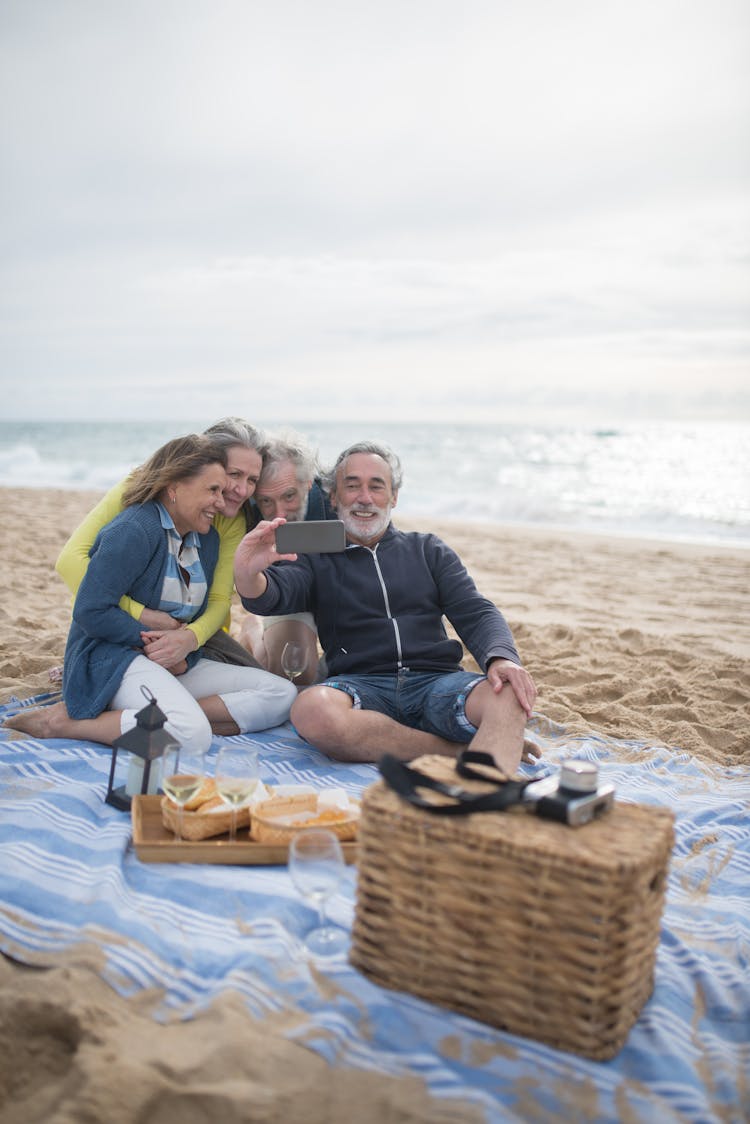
x=532, y=926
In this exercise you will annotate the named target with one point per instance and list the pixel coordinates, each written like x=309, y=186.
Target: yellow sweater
x=74, y=559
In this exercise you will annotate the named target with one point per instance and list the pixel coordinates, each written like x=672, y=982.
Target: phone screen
x=316, y=536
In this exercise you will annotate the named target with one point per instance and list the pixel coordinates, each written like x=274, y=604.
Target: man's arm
x=255, y=553
x=481, y=627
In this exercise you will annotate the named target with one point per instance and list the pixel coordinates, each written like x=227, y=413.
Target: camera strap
x=409, y=783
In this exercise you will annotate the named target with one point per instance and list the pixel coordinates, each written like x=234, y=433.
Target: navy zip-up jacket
x=381, y=609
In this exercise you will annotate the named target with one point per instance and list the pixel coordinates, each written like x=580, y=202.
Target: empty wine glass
x=236, y=778
x=183, y=773
x=316, y=865
x=293, y=659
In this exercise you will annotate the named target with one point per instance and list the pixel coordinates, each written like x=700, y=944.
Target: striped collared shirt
x=184, y=588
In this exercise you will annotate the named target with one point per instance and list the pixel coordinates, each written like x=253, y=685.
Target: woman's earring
x=174, y=499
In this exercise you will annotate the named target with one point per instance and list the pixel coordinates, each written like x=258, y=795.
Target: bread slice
x=205, y=793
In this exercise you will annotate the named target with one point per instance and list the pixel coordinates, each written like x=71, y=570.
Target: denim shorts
x=424, y=700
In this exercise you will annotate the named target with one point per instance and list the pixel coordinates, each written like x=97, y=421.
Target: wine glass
x=236, y=778
x=293, y=659
x=183, y=773
x=316, y=865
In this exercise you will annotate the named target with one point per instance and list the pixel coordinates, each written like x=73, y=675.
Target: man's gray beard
x=354, y=528
x=301, y=515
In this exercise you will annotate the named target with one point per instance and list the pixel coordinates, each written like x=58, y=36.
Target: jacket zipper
x=391, y=618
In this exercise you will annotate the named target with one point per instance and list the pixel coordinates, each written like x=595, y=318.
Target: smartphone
x=315, y=536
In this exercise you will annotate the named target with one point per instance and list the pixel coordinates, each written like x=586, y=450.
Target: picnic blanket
x=70, y=879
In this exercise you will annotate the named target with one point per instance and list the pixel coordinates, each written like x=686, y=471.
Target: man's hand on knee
x=502, y=672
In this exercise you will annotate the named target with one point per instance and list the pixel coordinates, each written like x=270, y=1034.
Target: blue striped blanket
x=70, y=879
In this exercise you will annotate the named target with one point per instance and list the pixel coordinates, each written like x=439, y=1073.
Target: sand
x=634, y=639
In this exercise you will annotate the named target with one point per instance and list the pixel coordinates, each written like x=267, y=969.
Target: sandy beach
x=631, y=638
x=636, y=640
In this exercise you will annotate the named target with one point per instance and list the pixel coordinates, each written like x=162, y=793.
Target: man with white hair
x=395, y=683
x=288, y=486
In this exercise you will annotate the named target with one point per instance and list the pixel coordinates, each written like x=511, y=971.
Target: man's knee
x=483, y=702
x=319, y=714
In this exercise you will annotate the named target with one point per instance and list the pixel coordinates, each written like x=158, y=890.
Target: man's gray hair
x=288, y=445
x=228, y=432
x=329, y=480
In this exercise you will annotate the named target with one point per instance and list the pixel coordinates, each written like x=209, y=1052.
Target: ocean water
x=686, y=482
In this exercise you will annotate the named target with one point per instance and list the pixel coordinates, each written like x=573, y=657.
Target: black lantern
x=145, y=741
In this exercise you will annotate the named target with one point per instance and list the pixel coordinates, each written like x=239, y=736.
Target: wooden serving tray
x=154, y=843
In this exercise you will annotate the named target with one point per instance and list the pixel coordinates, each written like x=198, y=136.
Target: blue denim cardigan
x=129, y=556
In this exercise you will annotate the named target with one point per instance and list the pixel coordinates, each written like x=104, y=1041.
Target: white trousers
x=255, y=699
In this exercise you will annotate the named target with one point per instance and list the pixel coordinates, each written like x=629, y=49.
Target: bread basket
x=214, y=818
x=279, y=819
x=205, y=815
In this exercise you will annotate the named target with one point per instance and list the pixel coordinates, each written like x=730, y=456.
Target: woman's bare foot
x=41, y=721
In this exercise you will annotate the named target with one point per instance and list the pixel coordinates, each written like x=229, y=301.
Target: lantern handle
x=146, y=692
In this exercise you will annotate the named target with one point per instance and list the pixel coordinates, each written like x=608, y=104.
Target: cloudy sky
x=410, y=208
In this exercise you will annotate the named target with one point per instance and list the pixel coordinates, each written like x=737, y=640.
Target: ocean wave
x=24, y=466
x=688, y=483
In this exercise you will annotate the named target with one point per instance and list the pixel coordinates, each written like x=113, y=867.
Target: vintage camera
x=573, y=797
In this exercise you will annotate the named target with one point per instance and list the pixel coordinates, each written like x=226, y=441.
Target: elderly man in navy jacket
x=395, y=679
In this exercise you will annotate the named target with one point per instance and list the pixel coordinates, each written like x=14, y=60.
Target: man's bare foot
x=531, y=752
x=41, y=721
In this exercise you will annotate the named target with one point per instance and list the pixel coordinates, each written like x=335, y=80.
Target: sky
x=405, y=210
